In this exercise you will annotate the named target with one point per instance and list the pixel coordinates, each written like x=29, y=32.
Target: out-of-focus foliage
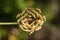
x=23, y=35
x=3, y=32
x=10, y=8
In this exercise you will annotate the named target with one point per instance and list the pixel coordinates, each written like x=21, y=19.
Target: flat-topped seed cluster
x=30, y=20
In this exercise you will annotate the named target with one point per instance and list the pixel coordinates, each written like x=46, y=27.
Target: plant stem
x=8, y=23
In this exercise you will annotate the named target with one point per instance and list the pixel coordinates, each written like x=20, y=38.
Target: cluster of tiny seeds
x=30, y=20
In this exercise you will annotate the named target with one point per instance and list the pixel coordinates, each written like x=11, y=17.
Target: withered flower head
x=30, y=20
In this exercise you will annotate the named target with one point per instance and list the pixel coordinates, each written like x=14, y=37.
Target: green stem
x=8, y=23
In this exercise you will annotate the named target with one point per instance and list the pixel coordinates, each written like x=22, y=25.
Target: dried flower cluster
x=30, y=20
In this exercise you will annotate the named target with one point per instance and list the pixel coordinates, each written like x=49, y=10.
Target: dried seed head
x=30, y=20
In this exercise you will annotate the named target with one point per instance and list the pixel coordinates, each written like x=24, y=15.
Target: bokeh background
x=10, y=8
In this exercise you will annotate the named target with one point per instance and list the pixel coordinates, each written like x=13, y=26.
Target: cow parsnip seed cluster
x=30, y=20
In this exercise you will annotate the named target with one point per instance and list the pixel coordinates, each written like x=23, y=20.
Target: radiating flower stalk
x=30, y=20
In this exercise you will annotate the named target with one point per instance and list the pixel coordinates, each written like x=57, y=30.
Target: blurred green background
x=10, y=8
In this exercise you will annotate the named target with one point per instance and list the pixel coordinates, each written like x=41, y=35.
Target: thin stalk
x=8, y=23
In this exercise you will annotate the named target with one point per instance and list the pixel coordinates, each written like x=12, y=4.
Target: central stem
x=8, y=23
